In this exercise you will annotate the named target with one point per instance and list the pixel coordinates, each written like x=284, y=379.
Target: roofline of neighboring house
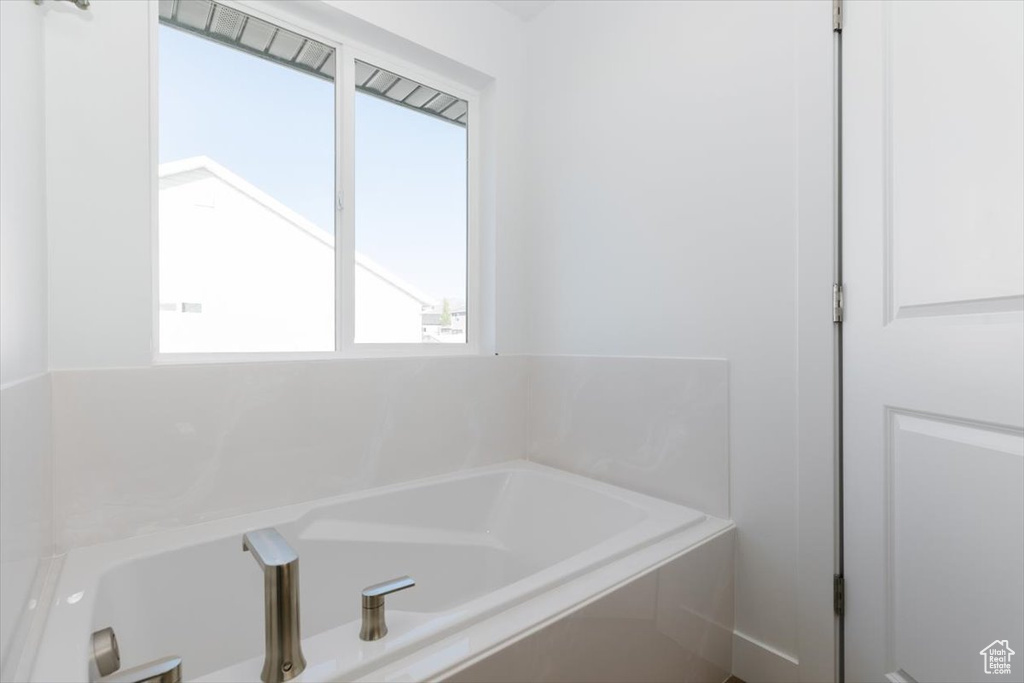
x=204, y=163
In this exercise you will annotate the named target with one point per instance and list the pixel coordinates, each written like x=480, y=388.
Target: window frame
x=347, y=51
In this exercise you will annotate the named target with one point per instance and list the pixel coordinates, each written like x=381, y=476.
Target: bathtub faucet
x=283, y=660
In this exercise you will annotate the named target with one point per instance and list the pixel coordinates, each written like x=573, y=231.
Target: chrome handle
x=373, y=596
x=374, y=627
x=166, y=670
x=106, y=664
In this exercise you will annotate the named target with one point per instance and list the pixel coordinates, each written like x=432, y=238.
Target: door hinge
x=837, y=303
x=838, y=594
x=837, y=15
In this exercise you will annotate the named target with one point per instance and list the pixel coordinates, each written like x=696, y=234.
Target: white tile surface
x=141, y=450
x=672, y=624
x=26, y=511
x=755, y=660
x=654, y=425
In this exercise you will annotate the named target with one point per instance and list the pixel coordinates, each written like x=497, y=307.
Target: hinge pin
x=837, y=15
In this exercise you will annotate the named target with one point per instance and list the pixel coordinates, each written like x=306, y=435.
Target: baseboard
x=757, y=662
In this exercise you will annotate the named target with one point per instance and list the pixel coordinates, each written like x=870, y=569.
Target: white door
x=934, y=339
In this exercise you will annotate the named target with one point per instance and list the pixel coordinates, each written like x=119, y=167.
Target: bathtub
x=496, y=552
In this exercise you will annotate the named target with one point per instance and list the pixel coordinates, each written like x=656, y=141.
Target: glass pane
x=410, y=212
x=246, y=239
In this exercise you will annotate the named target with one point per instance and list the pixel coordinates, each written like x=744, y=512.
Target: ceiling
x=524, y=9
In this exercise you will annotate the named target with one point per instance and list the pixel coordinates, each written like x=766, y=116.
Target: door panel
x=955, y=561
x=933, y=239
x=955, y=152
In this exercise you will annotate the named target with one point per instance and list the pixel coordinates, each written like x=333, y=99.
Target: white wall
x=817, y=561
x=23, y=208
x=98, y=182
x=664, y=221
x=25, y=507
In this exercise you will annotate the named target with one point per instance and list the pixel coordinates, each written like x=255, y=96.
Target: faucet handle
x=373, y=596
x=374, y=627
x=105, y=664
x=166, y=670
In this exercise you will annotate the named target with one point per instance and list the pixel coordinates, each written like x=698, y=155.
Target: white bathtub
x=496, y=553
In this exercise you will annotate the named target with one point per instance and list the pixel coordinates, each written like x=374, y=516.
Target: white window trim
x=347, y=52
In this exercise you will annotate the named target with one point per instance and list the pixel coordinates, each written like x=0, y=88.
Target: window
x=257, y=252
x=411, y=171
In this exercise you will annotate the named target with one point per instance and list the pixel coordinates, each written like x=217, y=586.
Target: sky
x=274, y=126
